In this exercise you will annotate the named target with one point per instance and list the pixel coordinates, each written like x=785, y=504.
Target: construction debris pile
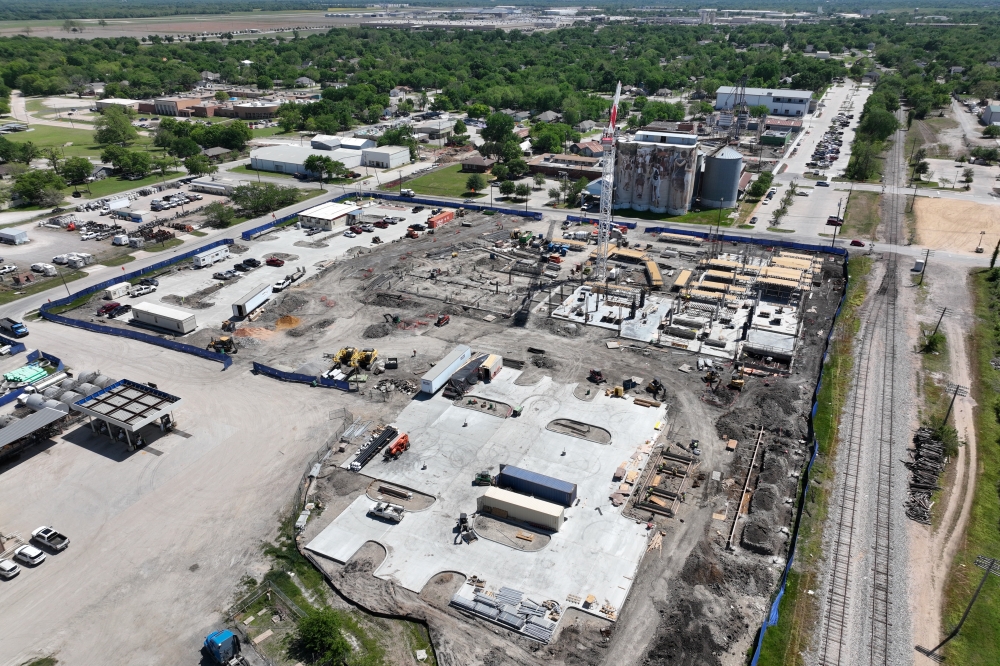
x=390, y=385
x=928, y=462
x=512, y=609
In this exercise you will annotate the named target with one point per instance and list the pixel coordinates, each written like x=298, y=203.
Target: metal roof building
x=779, y=102
x=128, y=405
x=325, y=216
x=291, y=159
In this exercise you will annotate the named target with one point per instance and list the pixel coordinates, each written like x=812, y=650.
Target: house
x=823, y=55
x=476, y=163
x=793, y=125
x=217, y=153
x=304, y=82
x=871, y=77
x=809, y=49
x=664, y=92
x=211, y=76
x=399, y=91
x=521, y=116
x=548, y=117
x=956, y=70
x=991, y=114
x=585, y=126
x=587, y=149
x=575, y=166
x=522, y=132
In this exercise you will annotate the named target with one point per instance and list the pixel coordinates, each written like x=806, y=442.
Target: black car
x=417, y=227
x=241, y=268
x=150, y=282
x=119, y=311
x=417, y=209
x=251, y=262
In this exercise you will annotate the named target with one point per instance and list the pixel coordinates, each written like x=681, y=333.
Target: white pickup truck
x=49, y=538
x=392, y=512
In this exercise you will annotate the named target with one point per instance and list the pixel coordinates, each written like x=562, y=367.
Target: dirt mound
x=375, y=331
x=236, y=248
x=544, y=362
x=564, y=328
x=286, y=322
x=281, y=255
x=757, y=538
x=764, y=498
x=254, y=332
x=772, y=469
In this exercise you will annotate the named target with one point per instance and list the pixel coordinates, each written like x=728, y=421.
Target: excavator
x=364, y=358
x=391, y=318
x=736, y=382
x=597, y=376
x=345, y=355
x=223, y=345
x=396, y=449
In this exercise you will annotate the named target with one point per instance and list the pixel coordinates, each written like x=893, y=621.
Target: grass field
x=160, y=247
x=74, y=142
x=446, y=182
x=10, y=294
x=707, y=217
x=784, y=643
x=108, y=186
x=861, y=217
x=978, y=644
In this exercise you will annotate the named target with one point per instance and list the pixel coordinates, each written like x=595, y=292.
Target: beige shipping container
x=505, y=504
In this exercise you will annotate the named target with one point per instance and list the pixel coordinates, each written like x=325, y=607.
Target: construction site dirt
x=716, y=524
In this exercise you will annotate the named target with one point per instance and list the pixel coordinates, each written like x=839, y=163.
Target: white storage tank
x=720, y=182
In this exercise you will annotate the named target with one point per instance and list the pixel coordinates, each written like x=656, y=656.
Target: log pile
x=927, y=463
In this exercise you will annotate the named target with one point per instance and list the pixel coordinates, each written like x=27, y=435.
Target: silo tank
x=720, y=183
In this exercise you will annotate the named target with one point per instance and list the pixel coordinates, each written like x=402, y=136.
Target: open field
x=446, y=182
x=947, y=224
x=862, y=216
x=72, y=142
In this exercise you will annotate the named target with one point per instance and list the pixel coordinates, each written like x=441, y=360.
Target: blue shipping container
x=537, y=485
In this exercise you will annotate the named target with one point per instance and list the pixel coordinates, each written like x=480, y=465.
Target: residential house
x=216, y=154
x=211, y=77
x=991, y=115
x=587, y=149
x=304, y=82
x=585, y=126
x=476, y=163
x=548, y=117
x=521, y=116
x=956, y=70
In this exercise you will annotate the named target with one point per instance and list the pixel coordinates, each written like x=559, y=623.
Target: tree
x=219, y=215
x=115, y=127
x=199, y=165
x=967, y=175
x=919, y=155
x=758, y=110
x=460, y=127
x=517, y=167
x=264, y=83
x=500, y=171
x=992, y=132
x=77, y=169
x=507, y=188
x=289, y=117
x=165, y=163
x=258, y=198
x=475, y=183
x=314, y=164
x=921, y=168
x=184, y=147
x=400, y=136
x=757, y=189
x=36, y=186
x=555, y=194
x=523, y=190
x=879, y=124
x=539, y=180
x=221, y=96
x=319, y=639
x=334, y=168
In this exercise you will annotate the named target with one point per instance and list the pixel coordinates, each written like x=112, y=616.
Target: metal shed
x=130, y=406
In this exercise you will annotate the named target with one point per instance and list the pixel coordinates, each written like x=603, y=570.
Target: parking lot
x=297, y=247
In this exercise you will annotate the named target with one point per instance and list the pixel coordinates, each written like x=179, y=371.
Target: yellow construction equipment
x=345, y=355
x=737, y=382
x=364, y=358
x=224, y=345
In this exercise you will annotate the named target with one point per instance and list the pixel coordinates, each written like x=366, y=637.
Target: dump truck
x=223, y=647
x=14, y=327
x=393, y=512
x=396, y=449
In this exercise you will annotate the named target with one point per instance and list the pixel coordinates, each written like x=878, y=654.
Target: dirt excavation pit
x=947, y=224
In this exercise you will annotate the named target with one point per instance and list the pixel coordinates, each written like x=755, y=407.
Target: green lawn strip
x=36, y=287
x=114, y=185
x=979, y=641
x=707, y=217
x=166, y=245
x=199, y=234
x=781, y=230
x=784, y=643
x=446, y=182
x=118, y=261
x=861, y=217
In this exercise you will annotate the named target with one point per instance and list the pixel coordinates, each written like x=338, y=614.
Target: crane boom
x=607, y=190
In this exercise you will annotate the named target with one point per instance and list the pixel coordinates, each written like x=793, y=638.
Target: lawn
x=74, y=142
x=244, y=169
x=266, y=131
x=979, y=642
x=446, y=182
x=861, y=217
x=114, y=185
x=160, y=247
x=118, y=261
x=708, y=217
x=10, y=294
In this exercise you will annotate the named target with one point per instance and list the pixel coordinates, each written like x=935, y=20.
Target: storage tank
x=67, y=384
x=87, y=377
x=38, y=403
x=720, y=182
x=52, y=391
x=101, y=381
x=69, y=397
x=87, y=389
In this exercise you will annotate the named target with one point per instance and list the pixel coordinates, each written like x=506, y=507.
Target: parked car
x=417, y=227
x=857, y=243
x=29, y=555
x=417, y=209
x=355, y=229
x=381, y=224
x=152, y=282
x=107, y=307
x=251, y=262
x=822, y=183
x=119, y=311
x=141, y=290
x=240, y=267
x=8, y=569
x=274, y=261
x=9, y=268
x=350, y=234
x=221, y=275
x=753, y=220
x=367, y=228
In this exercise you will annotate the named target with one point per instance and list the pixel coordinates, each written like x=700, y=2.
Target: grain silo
x=720, y=183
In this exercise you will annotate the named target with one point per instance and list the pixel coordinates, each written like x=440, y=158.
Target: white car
x=9, y=268
x=38, y=268
x=8, y=569
x=87, y=235
x=29, y=555
x=349, y=234
x=141, y=290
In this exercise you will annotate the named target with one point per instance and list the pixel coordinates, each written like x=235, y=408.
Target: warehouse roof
x=773, y=92
x=541, y=506
x=390, y=150
x=298, y=154
x=331, y=210
x=127, y=404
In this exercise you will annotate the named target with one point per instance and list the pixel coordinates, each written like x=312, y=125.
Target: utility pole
x=927, y=254
x=956, y=391
x=835, y=227
x=989, y=566
x=944, y=311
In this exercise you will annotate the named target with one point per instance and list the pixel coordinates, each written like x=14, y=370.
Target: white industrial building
x=291, y=159
x=356, y=143
x=778, y=102
x=326, y=216
x=386, y=157
x=102, y=104
x=325, y=142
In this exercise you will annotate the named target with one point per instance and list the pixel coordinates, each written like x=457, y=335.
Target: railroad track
x=856, y=611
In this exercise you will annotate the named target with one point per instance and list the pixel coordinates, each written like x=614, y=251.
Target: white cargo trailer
x=253, y=300
x=117, y=290
x=444, y=369
x=169, y=319
x=210, y=257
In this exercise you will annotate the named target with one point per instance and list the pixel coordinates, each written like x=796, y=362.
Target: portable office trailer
x=13, y=236
x=253, y=300
x=491, y=367
x=436, y=377
x=169, y=319
x=211, y=257
x=537, y=485
x=117, y=290
x=505, y=504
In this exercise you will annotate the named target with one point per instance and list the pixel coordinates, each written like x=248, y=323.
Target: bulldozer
x=223, y=345
x=483, y=478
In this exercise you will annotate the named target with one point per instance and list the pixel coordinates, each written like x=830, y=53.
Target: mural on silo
x=657, y=178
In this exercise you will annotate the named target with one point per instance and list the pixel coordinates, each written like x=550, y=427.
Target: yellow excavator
x=364, y=358
x=223, y=345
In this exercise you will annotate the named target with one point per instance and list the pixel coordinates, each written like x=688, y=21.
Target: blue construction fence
x=579, y=219
x=299, y=378
x=772, y=616
x=734, y=238
x=38, y=355
x=10, y=397
x=15, y=346
x=136, y=335
x=426, y=201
